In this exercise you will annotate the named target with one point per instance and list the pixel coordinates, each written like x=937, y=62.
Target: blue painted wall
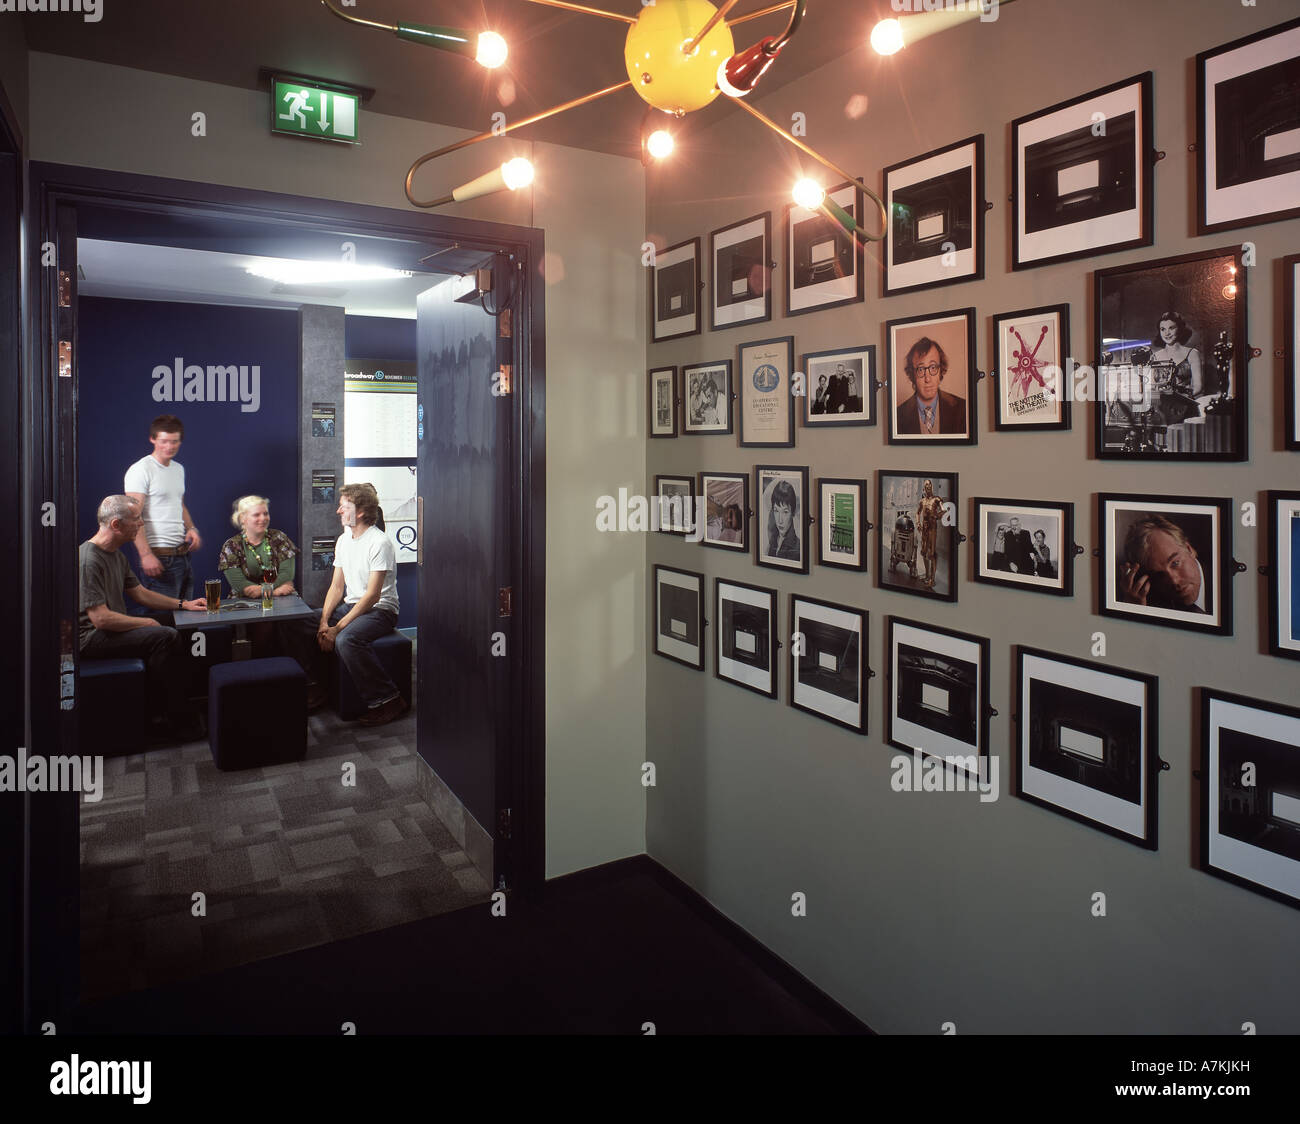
x=378, y=337
x=227, y=451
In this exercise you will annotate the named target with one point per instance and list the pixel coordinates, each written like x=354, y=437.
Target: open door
x=464, y=647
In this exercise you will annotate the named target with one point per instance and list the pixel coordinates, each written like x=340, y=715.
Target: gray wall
x=591, y=208
x=924, y=909
x=321, y=353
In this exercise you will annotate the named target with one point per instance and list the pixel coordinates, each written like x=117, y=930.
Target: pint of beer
x=268, y=596
x=212, y=591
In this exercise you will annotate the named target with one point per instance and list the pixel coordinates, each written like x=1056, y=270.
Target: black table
x=241, y=612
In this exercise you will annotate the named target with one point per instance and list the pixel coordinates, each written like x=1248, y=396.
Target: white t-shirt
x=163, y=489
x=357, y=558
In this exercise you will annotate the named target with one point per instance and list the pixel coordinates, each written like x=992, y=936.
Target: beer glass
x=268, y=596
x=212, y=591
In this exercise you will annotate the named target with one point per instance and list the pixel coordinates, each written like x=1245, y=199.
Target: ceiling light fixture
x=890, y=36
x=290, y=272
x=673, y=69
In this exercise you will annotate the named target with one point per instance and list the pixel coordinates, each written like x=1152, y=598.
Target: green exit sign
x=307, y=109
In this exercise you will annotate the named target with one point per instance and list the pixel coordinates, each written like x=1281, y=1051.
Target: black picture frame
x=897, y=497
x=1250, y=793
x=675, y=291
x=676, y=618
x=765, y=369
x=727, y=488
x=935, y=204
x=1147, y=401
x=1291, y=350
x=828, y=661
x=1190, y=516
x=937, y=693
x=746, y=640
x=835, y=535
x=823, y=262
x=1032, y=370
x=1067, y=175
x=675, y=518
x=767, y=531
x=1036, y=516
x=740, y=257
x=950, y=333
x=695, y=405
x=832, y=405
x=657, y=379
x=1284, y=574
x=1245, y=95
x=1077, y=723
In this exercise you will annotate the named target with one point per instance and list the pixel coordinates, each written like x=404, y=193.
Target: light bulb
x=492, y=50
x=517, y=172
x=887, y=37
x=809, y=193
x=660, y=144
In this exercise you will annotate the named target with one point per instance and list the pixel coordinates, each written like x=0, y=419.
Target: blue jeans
x=176, y=579
x=353, y=647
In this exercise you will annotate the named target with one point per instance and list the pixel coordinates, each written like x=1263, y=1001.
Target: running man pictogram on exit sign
x=305, y=109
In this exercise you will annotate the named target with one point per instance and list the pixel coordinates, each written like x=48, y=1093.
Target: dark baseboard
x=798, y=985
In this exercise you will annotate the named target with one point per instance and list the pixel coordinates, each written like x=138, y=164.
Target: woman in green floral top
x=256, y=551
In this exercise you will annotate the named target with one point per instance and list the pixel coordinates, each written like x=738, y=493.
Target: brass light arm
x=357, y=19
x=763, y=12
x=858, y=232
x=695, y=39
x=796, y=18
x=585, y=10
x=545, y=113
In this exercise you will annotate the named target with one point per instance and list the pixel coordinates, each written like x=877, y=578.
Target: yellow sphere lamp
x=661, y=72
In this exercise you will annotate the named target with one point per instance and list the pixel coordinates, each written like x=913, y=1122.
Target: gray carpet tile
x=288, y=856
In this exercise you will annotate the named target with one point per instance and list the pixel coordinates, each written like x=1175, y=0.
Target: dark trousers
x=352, y=646
x=176, y=581
x=163, y=662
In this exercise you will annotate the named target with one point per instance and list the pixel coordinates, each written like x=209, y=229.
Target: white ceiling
x=161, y=273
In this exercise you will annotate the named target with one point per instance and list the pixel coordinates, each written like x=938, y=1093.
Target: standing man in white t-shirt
x=168, y=535
x=361, y=604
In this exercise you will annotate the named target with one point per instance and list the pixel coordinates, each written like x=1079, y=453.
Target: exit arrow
x=324, y=111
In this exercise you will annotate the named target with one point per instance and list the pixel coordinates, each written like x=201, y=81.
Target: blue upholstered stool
x=394, y=652
x=114, y=712
x=257, y=713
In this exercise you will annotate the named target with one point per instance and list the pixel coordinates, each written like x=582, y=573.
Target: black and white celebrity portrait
x=930, y=409
x=1160, y=567
x=704, y=400
x=783, y=522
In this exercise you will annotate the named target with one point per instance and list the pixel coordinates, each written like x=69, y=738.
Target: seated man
x=365, y=582
x=107, y=632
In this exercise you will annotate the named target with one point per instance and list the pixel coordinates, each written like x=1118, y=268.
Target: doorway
x=486, y=752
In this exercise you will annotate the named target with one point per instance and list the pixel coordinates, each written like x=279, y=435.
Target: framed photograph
x=828, y=672
x=843, y=523
x=1247, y=124
x=746, y=636
x=1171, y=359
x=918, y=533
x=1167, y=561
x=678, y=621
x=839, y=387
x=1291, y=349
x=675, y=292
x=823, y=262
x=936, y=218
x=766, y=404
x=706, y=405
x=1284, y=574
x=726, y=510
x=663, y=402
x=781, y=535
x=1087, y=743
x=1250, y=793
x=1030, y=387
x=675, y=499
x=742, y=254
x=932, y=379
x=938, y=693
x=1081, y=176
x=1025, y=544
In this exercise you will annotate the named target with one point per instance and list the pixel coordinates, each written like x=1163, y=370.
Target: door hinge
x=503, y=381
x=504, y=597
x=65, y=289
x=503, y=823
x=65, y=359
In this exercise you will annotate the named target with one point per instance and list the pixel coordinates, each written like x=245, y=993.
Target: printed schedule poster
x=395, y=485
x=379, y=400
x=322, y=553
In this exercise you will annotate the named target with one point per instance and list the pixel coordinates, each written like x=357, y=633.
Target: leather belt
x=170, y=551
